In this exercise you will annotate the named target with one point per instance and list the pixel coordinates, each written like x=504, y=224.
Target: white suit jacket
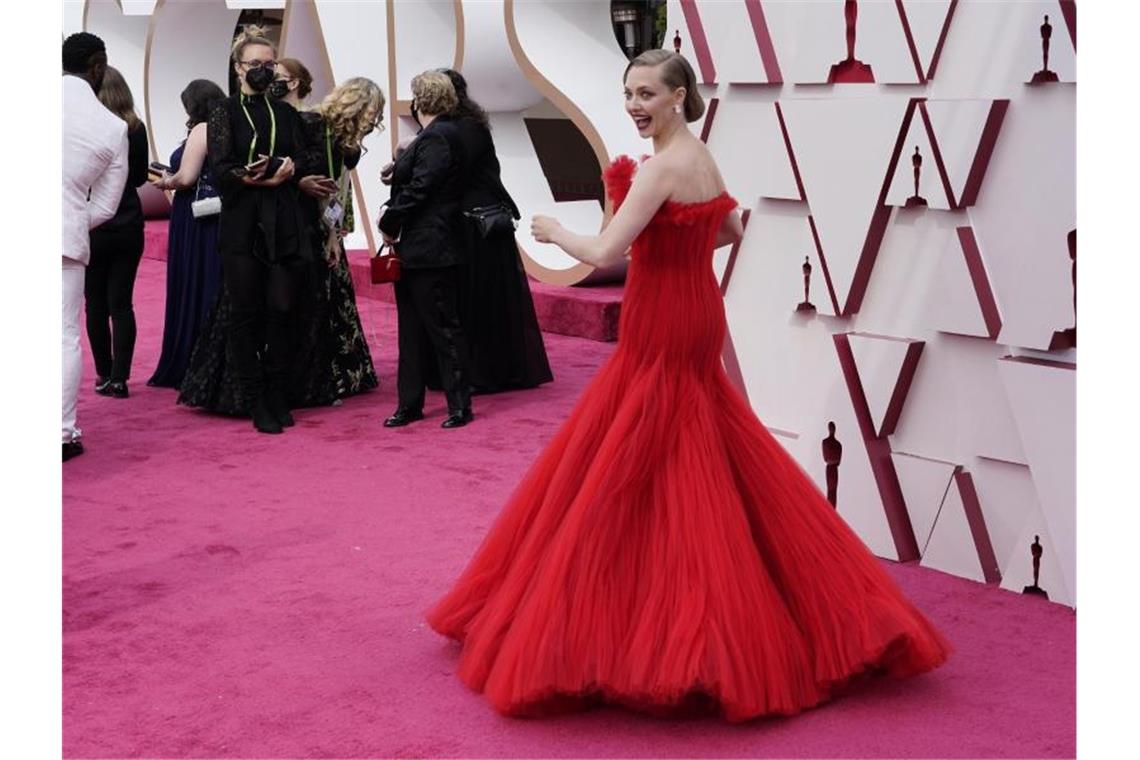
x=94, y=162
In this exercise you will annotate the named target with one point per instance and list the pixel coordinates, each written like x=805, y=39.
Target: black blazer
x=483, y=185
x=424, y=209
x=130, y=212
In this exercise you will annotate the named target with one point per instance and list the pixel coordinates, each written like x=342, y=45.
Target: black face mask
x=259, y=79
x=416, y=115
x=279, y=88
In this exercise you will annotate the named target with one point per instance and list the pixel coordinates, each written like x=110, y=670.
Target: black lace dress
x=333, y=360
x=267, y=224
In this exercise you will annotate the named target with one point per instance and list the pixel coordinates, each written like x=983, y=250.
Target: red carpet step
x=583, y=312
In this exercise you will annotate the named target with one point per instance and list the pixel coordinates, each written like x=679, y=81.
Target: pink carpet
x=229, y=594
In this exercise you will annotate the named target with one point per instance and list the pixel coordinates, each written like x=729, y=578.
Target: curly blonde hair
x=347, y=110
x=434, y=93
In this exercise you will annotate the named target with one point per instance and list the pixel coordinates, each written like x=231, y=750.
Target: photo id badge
x=334, y=212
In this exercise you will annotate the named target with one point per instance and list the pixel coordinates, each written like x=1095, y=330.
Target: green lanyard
x=328, y=152
x=272, y=128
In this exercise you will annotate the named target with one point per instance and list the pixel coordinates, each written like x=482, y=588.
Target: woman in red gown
x=664, y=551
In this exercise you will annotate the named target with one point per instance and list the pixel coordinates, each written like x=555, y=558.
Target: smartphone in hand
x=159, y=169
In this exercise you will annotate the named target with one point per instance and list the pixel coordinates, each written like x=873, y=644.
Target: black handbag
x=493, y=220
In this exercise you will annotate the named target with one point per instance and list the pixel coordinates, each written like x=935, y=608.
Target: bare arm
x=108, y=188
x=731, y=230
x=651, y=188
x=193, y=157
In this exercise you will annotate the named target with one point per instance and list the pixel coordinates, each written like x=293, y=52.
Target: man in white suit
x=94, y=173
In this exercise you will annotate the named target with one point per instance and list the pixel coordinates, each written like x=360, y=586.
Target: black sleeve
x=309, y=137
x=351, y=158
x=431, y=161
x=138, y=153
x=227, y=167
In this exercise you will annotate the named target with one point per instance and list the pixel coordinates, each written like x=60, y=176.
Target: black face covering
x=259, y=79
x=416, y=115
x=279, y=88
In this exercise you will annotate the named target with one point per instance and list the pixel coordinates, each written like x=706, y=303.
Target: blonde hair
x=434, y=93
x=675, y=73
x=345, y=109
x=250, y=35
x=116, y=96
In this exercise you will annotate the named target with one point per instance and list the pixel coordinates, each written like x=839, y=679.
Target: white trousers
x=74, y=273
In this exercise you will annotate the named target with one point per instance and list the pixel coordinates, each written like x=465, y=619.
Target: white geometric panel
x=766, y=285
x=1009, y=33
x=957, y=406
x=1008, y=501
x=930, y=186
x=301, y=38
x=953, y=304
x=906, y=273
x=1025, y=210
x=925, y=483
x=425, y=39
x=732, y=42
x=959, y=128
x=928, y=20
x=843, y=149
x=951, y=547
x=753, y=162
x=814, y=34
x=1042, y=395
x=886, y=366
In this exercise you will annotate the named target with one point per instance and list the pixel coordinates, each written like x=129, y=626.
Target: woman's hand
x=283, y=174
x=159, y=180
x=544, y=228
x=316, y=186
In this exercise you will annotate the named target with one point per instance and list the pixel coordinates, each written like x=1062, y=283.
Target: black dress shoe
x=263, y=419
x=402, y=417
x=115, y=389
x=458, y=419
x=72, y=449
x=101, y=384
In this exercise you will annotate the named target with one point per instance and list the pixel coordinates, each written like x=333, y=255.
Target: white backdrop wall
x=942, y=339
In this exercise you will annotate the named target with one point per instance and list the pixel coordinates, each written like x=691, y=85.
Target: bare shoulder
x=198, y=132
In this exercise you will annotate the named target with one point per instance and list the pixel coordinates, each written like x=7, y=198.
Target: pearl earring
x=676, y=109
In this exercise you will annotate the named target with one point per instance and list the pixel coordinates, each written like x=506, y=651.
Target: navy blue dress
x=193, y=276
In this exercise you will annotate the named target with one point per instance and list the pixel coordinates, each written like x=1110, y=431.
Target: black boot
x=264, y=419
x=275, y=399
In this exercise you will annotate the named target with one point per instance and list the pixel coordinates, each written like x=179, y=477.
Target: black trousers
x=109, y=293
x=427, y=308
x=261, y=333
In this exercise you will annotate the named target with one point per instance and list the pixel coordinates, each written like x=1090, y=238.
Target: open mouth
x=642, y=122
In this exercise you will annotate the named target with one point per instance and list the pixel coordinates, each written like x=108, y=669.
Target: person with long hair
x=505, y=345
x=665, y=552
x=256, y=148
x=422, y=222
x=334, y=360
x=193, y=265
x=116, y=250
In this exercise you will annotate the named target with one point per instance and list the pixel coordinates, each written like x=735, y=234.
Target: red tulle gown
x=664, y=551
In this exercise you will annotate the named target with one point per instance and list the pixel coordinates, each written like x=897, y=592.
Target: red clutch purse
x=385, y=267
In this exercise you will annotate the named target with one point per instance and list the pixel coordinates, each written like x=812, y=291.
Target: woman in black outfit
x=422, y=219
x=116, y=249
x=263, y=238
x=495, y=305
